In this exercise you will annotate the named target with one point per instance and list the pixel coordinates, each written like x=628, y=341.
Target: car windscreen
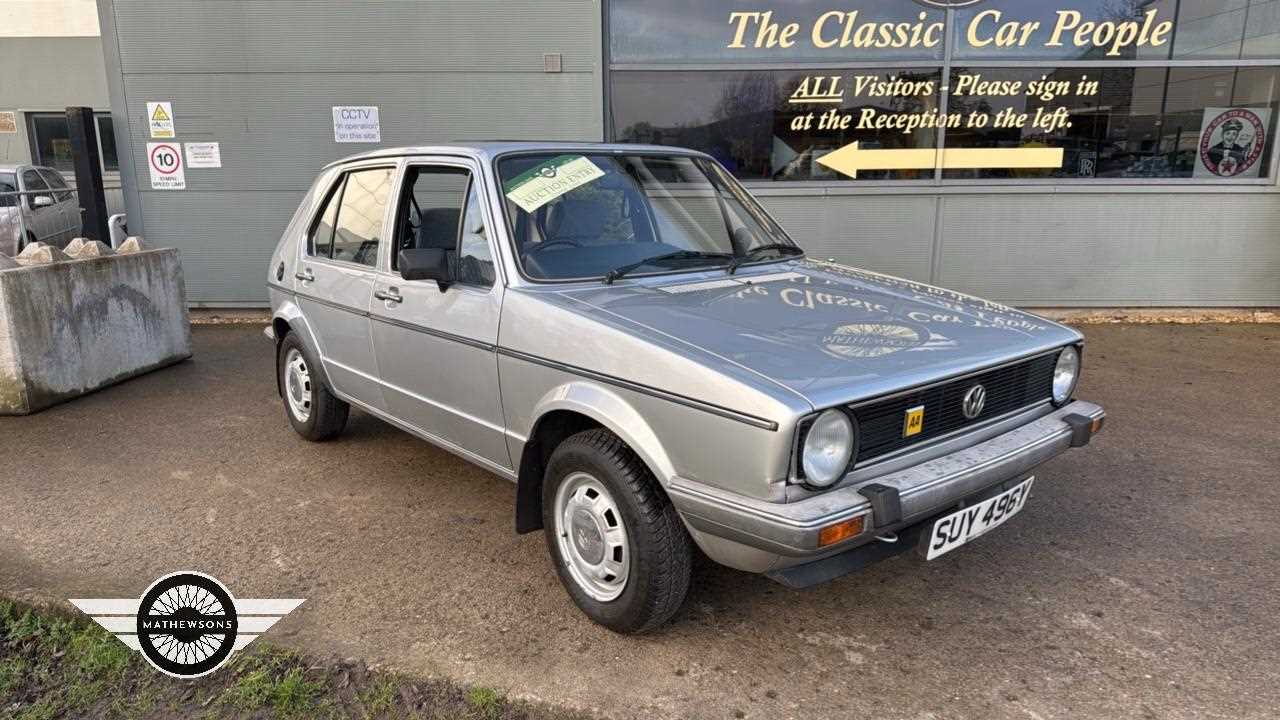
x=583, y=216
x=8, y=184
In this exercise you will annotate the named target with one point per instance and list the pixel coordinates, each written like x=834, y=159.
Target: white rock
x=92, y=249
x=74, y=246
x=132, y=245
x=40, y=254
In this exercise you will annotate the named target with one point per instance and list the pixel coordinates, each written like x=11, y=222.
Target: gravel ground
x=1141, y=580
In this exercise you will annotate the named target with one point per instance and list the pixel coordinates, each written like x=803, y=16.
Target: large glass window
x=51, y=141
x=1049, y=90
x=781, y=32
x=775, y=125
x=1125, y=122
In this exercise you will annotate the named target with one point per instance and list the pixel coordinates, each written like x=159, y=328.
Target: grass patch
x=58, y=664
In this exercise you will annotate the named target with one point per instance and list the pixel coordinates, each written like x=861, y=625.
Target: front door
x=44, y=220
x=334, y=283
x=436, y=347
x=67, y=204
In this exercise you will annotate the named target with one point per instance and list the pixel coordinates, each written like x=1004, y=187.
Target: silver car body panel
x=56, y=224
x=705, y=375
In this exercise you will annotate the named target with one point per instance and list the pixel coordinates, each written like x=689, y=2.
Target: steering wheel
x=552, y=243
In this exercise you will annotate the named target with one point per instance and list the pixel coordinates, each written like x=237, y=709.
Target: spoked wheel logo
x=187, y=624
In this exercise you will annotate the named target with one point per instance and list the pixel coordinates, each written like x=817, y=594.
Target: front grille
x=1009, y=388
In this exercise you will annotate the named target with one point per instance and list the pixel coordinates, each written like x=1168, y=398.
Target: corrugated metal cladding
x=261, y=78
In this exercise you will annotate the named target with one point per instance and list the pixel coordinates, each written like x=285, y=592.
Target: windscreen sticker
x=540, y=185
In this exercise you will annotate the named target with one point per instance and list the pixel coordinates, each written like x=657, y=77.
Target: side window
x=320, y=241
x=359, y=227
x=475, y=260
x=55, y=181
x=430, y=209
x=33, y=182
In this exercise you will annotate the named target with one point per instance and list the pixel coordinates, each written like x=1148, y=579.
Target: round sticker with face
x=1232, y=142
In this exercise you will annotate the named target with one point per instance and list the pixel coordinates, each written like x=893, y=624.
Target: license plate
x=975, y=521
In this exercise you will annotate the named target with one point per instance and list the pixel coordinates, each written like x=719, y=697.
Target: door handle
x=305, y=276
x=390, y=295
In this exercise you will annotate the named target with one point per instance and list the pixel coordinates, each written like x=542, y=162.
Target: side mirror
x=42, y=201
x=426, y=264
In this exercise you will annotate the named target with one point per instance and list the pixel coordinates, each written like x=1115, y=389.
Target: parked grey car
x=51, y=214
x=625, y=333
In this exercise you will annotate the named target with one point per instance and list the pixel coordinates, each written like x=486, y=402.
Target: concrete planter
x=71, y=327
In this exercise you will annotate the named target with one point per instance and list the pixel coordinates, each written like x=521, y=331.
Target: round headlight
x=1065, y=375
x=827, y=448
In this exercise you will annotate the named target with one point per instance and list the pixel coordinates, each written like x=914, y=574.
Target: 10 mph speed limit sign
x=165, y=163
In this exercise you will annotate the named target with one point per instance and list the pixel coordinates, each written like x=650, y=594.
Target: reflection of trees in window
x=748, y=120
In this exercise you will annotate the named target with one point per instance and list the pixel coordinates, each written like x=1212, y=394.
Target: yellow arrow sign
x=851, y=158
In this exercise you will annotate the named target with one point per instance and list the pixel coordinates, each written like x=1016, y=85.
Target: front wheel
x=618, y=544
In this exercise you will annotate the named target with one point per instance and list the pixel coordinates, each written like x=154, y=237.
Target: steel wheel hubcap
x=591, y=537
x=297, y=385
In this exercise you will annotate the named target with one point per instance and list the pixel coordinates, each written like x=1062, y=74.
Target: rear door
x=67, y=204
x=45, y=223
x=437, y=348
x=334, y=282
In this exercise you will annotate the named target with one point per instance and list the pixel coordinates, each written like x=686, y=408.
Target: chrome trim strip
x=645, y=390
x=433, y=332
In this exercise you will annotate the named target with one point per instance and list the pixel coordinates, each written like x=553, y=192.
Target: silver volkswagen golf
x=626, y=334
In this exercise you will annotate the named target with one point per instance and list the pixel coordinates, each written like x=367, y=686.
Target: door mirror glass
x=42, y=201
x=426, y=264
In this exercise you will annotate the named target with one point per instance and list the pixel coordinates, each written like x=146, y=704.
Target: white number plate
x=974, y=521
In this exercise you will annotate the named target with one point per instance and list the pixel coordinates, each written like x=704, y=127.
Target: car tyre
x=313, y=410
x=618, y=544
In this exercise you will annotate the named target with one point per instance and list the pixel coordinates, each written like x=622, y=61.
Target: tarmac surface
x=1141, y=581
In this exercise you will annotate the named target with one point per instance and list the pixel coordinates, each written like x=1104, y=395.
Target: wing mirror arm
x=426, y=264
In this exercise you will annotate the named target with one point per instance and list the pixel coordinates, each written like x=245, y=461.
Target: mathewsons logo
x=187, y=624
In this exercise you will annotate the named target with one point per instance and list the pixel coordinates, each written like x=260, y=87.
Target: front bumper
x=791, y=530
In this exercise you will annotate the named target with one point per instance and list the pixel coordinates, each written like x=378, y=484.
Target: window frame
x=938, y=184
x=475, y=179
x=339, y=185
x=33, y=144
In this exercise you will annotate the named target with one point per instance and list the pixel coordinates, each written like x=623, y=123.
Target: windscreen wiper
x=750, y=254
x=618, y=272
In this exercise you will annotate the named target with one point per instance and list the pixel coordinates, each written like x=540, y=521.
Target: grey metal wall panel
x=276, y=130
x=1114, y=249
x=891, y=234
x=226, y=238
x=261, y=78
x=387, y=36
x=47, y=74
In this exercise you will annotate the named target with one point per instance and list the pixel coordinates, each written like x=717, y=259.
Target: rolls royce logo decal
x=187, y=624
x=974, y=402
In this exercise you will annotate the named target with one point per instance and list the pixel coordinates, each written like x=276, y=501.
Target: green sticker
x=540, y=185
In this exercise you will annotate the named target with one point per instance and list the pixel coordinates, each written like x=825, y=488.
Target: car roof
x=490, y=149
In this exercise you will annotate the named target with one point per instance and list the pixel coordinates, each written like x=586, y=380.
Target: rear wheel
x=314, y=411
x=618, y=544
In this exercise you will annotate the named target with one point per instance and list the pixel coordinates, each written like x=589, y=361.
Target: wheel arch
x=566, y=411
x=288, y=320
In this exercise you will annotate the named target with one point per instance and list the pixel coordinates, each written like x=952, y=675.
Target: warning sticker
x=165, y=162
x=540, y=185
x=160, y=118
